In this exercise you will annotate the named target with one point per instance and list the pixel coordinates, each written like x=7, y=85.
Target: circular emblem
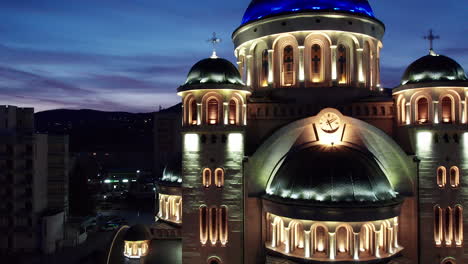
x=330, y=122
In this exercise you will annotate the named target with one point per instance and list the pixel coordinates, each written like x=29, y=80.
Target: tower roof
x=433, y=67
x=137, y=233
x=259, y=9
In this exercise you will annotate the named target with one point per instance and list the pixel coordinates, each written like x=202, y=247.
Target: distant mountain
x=98, y=131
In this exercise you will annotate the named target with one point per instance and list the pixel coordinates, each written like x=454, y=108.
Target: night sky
x=131, y=55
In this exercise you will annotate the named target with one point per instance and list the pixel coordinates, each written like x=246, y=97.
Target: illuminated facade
x=299, y=155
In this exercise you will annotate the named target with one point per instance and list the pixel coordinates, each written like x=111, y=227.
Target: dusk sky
x=131, y=55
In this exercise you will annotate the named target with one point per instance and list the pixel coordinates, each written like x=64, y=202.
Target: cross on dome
x=431, y=37
x=214, y=40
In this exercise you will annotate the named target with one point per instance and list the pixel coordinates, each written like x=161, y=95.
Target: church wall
x=254, y=237
x=219, y=153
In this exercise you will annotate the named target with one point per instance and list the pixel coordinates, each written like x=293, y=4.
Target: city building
x=34, y=176
x=299, y=155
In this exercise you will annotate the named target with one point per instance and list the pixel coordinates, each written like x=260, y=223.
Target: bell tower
x=214, y=119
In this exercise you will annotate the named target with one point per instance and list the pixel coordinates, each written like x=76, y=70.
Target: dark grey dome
x=213, y=71
x=331, y=176
x=432, y=68
x=137, y=233
x=173, y=171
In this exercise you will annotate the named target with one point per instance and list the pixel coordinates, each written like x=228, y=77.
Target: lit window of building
x=316, y=63
x=288, y=66
x=454, y=177
x=438, y=225
x=213, y=226
x=422, y=111
x=203, y=211
x=219, y=177
x=458, y=225
x=206, y=177
x=441, y=176
x=447, y=110
x=213, y=111
x=223, y=225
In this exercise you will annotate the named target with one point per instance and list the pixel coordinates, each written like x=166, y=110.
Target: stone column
x=270, y=67
x=288, y=240
x=333, y=63
x=199, y=113
x=301, y=65
x=356, y=246
x=361, y=75
x=307, y=244
x=226, y=113
x=332, y=246
x=273, y=235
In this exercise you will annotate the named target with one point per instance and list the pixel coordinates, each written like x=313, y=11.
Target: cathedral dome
x=259, y=9
x=137, y=233
x=432, y=68
x=331, y=176
x=214, y=70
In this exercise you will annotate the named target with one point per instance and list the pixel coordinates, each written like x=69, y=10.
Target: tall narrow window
x=343, y=241
x=223, y=225
x=342, y=64
x=448, y=226
x=320, y=239
x=441, y=176
x=206, y=177
x=458, y=225
x=212, y=112
x=265, y=69
x=213, y=225
x=316, y=64
x=219, y=177
x=193, y=112
x=288, y=66
x=203, y=224
x=454, y=177
x=233, y=112
x=423, y=111
x=447, y=110
x=438, y=225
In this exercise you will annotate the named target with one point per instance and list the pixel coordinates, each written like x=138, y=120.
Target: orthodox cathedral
x=298, y=155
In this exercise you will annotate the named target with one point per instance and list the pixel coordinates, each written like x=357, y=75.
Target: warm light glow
x=136, y=249
x=191, y=142
x=170, y=208
x=203, y=224
x=458, y=225
x=454, y=177
x=441, y=176
x=206, y=177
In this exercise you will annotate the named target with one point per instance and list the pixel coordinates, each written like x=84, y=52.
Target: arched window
x=296, y=235
x=422, y=111
x=288, y=66
x=203, y=224
x=342, y=64
x=316, y=64
x=321, y=239
x=454, y=177
x=265, y=69
x=223, y=225
x=193, y=114
x=448, y=226
x=458, y=225
x=233, y=112
x=219, y=177
x=277, y=235
x=438, y=225
x=213, y=225
x=343, y=241
x=447, y=110
x=213, y=112
x=366, y=240
x=441, y=176
x=206, y=177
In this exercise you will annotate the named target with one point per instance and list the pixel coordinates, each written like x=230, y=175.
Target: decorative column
x=436, y=112
x=395, y=233
x=332, y=246
x=287, y=243
x=270, y=67
x=355, y=246
x=199, y=113
x=273, y=235
x=360, y=66
x=408, y=113
x=307, y=244
x=249, y=70
x=226, y=113
x=375, y=246
x=463, y=109
x=333, y=62
x=301, y=65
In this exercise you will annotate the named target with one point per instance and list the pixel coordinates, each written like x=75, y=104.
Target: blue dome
x=259, y=9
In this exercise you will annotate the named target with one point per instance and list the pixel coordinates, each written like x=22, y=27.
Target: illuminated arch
x=369, y=64
x=190, y=110
x=214, y=260
x=345, y=59
x=367, y=240
x=212, y=105
x=320, y=239
x=458, y=225
x=277, y=237
x=438, y=225
x=223, y=225
x=317, y=58
x=296, y=240
x=286, y=65
x=401, y=109
x=441, y=176
x=219, y=177
x=449, y=260
x=422, y=110
x=448, y=226
x=213, y=225
x=204, y=224
x=206, y=177
x=454, y=177
x=344, y=240
x=261, y=64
